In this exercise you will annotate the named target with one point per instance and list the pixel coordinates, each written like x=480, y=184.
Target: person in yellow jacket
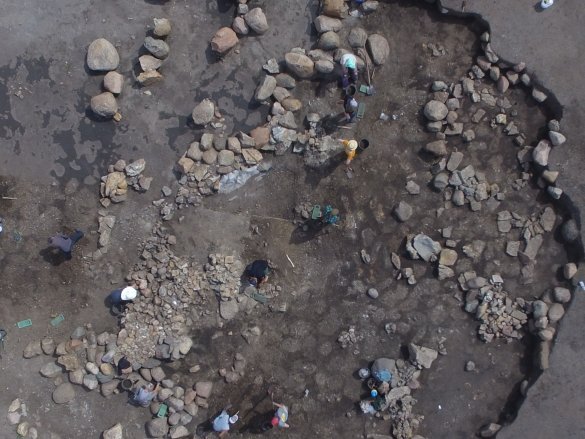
x=350, y=147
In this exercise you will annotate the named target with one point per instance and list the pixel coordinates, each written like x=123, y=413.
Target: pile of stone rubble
x=159, y=50
x=398, y=403
x=114, y=185
x=173, y=294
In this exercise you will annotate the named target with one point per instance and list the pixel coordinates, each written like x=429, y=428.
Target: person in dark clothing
x=124, y=366
x=65, y=243
x=257, y=272
x=120, y=297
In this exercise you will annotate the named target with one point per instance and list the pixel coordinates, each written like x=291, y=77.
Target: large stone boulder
x=324, y=23
x=328, y=41
x=435, y=110
x=379, y=49
x=256, y=20
x=33, y=349
x=357, y=37
x=157, y=47
x=157, y=427
x=114, y=432
x=333, y=8
x=102, y=56
x=104, y=104
x=240, y=27
x=203, y=113
x=223, y=40
x=162, y=27
x=299, y=64
x=421, y=356
x=51, y=370
x=261, y=136
x=63, y=393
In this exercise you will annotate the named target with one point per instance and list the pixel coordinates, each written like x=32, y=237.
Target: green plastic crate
x=24, y=323
x=57, y=320
x=162, y=411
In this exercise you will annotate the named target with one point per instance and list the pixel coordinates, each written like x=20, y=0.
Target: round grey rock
x=256, y=20
x=157, y=427
x=539, y=309
x=299, y=64
x=63, y=393
x=102, y=56
x=203, y=113
x=561, y=295
x=441, y=181
x=379, y=49
x=357, y=37
x=158, y=48
x=162, y=27
x=435, y=110
x=373, y=293
x=225, y=158
x=329, y=41
x=104, y=104
x=403, y=211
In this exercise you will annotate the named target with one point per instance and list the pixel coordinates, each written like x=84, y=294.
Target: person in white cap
x=120, y=297
x=350, y=147
x=349, y=66
x=221, y=424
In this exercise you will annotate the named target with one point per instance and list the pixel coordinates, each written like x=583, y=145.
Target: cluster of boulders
x=114, y=185
x=398, y=378
x=463, y=186
x=159, y=50
x=245, y=21
x=90, y=361
x=82, y=358
x=182, y=405
x=205, y=162
x=17, y=411
x=329, y=50
x=102, y=56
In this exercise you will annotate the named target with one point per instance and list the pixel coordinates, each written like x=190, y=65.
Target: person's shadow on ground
x=258, y=424
x=53, y=256
x=314, y=228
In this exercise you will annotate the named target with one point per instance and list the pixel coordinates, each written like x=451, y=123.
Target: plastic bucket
x=351, y=90
x=364, y=143
x=126, y=384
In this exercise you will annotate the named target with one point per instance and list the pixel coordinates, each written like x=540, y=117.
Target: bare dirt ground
x=54, y=153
